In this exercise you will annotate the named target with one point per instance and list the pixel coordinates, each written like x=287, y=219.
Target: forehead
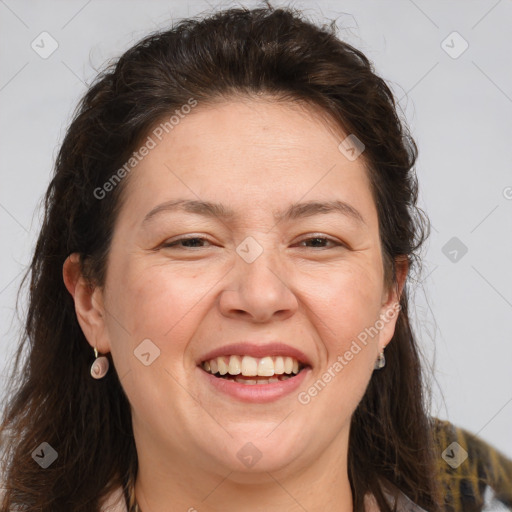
x=250, y=153
x=264, y=125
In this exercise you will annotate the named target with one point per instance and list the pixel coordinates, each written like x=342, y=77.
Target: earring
x=99, y=367
x=381, y=361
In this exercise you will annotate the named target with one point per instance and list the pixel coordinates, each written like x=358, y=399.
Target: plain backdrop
x=448, y=63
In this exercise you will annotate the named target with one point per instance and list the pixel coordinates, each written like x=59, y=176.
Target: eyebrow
x=293, y=212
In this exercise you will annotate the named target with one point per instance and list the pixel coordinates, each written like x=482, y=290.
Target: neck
x=226, y=495
x=320, y=485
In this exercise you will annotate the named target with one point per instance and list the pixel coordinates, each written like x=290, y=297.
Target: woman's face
x=307, y=285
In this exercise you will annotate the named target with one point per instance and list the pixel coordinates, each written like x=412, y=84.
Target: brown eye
x=191, y=243
x=320, y=241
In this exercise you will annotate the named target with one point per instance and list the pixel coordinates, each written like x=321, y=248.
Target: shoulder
x=396, y=499
x=115, y=502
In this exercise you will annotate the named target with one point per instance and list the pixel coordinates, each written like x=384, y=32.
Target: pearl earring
x=380, y=362
x=99, y=367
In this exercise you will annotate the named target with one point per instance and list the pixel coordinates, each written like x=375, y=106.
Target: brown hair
x=237, y=51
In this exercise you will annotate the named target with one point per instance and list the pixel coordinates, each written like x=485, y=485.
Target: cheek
x=163, y=300
x=153, y=303
x=162, y=306
x=346, y=302
x=345, y=312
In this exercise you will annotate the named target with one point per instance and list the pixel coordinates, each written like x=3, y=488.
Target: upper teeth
x=250, y=366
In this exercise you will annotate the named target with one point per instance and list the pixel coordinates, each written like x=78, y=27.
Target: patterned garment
x=475, y=477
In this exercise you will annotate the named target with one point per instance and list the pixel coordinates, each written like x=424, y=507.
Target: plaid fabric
x=475, y=476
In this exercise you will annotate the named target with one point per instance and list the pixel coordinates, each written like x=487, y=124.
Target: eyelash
x=175, y=243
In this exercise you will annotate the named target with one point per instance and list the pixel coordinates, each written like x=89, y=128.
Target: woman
x=218, y=313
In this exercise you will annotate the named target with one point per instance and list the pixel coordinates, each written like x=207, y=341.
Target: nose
x=258, y=291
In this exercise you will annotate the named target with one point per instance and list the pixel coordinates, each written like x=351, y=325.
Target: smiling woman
x=226, y=325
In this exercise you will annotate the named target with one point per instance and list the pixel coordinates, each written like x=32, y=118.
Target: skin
x=254, y=156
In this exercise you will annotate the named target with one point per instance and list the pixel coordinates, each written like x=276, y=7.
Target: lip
x=257, y=351
x=256, y=393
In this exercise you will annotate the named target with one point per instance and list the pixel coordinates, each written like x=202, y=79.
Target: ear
x=88, y=299
x=391, y=302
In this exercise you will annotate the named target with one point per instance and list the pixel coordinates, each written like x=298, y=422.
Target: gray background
x=459, y=110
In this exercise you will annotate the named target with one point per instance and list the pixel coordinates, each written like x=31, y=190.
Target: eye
x=192, y=243
x=321, y=240
x=197, y=242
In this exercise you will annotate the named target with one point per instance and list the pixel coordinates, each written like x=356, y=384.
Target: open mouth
x=253, y=371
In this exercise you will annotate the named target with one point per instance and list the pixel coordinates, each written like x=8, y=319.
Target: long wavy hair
x=238, y=51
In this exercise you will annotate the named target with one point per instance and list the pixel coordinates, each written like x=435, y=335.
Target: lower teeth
x=259, y=381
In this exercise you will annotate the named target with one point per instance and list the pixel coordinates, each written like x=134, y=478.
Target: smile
x=266, y=370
